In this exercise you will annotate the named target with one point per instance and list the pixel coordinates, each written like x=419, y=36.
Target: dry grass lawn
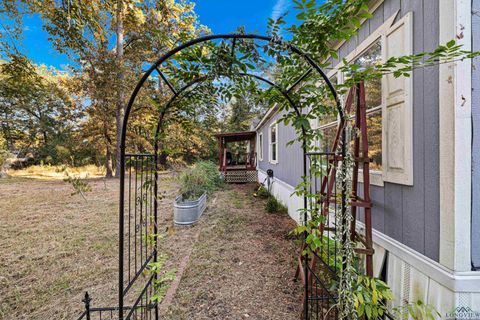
x=54, y=247
x=57, y=172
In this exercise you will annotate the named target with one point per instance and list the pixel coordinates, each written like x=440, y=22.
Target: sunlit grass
x=58, y=171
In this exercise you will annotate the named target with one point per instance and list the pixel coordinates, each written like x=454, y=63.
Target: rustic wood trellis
x=319, y=299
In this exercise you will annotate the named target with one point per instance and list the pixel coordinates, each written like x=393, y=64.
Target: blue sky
x=222, y=16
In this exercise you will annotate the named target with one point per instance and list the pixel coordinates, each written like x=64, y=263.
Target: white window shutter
x=397, y=112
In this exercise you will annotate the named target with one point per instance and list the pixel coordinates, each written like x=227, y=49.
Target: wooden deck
x=240, y=167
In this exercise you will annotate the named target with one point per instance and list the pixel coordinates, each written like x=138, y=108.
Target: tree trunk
x=108, y=154
x=162, y=155
x=108, y=162
x=162, y=159
x=120, y=112
x=7, y=132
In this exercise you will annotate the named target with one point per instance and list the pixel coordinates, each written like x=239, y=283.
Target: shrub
x=4, y=156
x=274, y=206
x=262, y=192
x=202, y=177
x=370, y=294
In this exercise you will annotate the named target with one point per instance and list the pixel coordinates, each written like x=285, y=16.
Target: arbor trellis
x=138, y=228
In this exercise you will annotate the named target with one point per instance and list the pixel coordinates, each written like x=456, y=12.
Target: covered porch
x=237, y=158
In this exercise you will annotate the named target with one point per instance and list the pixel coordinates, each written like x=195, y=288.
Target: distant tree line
x=74, y=116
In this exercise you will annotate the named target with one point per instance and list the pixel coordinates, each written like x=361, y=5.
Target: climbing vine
x=228, y=69
x=332, y=22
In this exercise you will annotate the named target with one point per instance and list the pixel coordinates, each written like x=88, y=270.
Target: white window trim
x=376, y=177
x=373, y=6
x=374, y=36
x=270, y=143
x=260, y=146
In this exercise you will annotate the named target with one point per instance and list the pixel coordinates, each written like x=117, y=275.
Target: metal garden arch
x=130, y=271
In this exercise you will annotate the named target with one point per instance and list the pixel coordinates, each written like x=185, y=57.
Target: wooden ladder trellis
x=361, y=161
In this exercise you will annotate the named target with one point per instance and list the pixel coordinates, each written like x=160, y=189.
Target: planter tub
x=186, y=212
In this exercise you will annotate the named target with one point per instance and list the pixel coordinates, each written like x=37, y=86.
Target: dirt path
x=242, y=265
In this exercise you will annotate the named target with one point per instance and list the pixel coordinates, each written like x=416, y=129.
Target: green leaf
x=301, y=16
x=451, y=43
x=368, y=311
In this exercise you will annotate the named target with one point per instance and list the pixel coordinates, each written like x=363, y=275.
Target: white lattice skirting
x=241, y=176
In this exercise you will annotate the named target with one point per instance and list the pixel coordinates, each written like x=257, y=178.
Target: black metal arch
x=122, y=290
x=191, y=43
x=177, y=94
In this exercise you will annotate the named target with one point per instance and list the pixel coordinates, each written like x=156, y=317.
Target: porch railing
x=249, y=164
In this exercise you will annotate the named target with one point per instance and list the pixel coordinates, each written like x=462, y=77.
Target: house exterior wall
x=283, y=192
x=410, y=214
x=407, y=219
x=476, y=137
x=289, y=168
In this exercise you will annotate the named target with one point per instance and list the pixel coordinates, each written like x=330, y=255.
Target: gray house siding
x=411, y=214
x=476, y=137
x=408, y=214
x=290, y=158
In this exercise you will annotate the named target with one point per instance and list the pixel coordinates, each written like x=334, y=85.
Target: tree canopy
x=75, y=116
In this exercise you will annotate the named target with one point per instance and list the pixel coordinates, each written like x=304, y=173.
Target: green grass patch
x=262, y=192
x=275, y=206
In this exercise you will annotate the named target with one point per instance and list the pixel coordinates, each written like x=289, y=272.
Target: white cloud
x=280, y=8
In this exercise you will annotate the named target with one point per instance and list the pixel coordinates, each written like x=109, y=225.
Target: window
x=328, y=124
x=273, y=143
x=260, y=146
x=389, y=103
x=373, y=98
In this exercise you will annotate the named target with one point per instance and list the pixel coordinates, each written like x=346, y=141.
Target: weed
x=274, y=206
x=80, y=185
x=203, y=177
x=262, y=192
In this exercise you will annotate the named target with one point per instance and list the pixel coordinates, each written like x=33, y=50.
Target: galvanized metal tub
x=186, y=212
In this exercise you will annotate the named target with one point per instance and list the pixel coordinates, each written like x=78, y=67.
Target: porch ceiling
x=236, y=136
